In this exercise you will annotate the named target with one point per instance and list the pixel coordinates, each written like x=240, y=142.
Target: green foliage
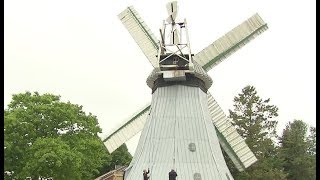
x=312, y=144
x=294, y=159
x=265, y=169
x=46, y=137
x=120, y=157
x=298, y=151
x=52, y=155
x=254, y=119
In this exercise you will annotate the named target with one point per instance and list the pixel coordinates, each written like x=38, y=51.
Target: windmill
x=183, y=128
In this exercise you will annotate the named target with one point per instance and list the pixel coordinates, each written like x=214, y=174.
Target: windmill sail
x=127, y=130
x=230, y=42
x=223, y=131
x=141, y=33
x=232, y=143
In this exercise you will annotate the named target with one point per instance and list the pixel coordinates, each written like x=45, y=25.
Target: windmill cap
x=199, y=73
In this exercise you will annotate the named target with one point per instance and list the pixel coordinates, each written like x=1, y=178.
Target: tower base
x=179, y=135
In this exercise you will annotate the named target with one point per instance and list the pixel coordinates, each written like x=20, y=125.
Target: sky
x=80, y=50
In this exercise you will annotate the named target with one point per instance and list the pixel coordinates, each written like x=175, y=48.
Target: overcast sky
x=80, y=50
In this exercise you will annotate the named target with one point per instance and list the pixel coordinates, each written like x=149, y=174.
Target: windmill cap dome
x=198, y=78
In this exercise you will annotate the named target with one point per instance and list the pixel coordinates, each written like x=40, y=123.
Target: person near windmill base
x=145, y=174
x=172, y=175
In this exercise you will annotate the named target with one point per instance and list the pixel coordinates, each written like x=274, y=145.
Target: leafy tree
x=298, y=151
x=312, y=152
x=52, y=155
x=312, y=146
x=46, y=137
x=254, y=119
x=120, y=157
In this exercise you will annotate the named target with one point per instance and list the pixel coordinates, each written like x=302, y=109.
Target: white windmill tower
x=184, y=127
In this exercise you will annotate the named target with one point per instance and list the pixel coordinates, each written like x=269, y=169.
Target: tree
x=312, y=152
x=52, y=155
x=120, y=157
x=46, y=137
x=312, y=146
x=298, y=151
x=254, y=119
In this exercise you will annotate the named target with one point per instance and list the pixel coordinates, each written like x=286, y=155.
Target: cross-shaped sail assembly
x=175, y=126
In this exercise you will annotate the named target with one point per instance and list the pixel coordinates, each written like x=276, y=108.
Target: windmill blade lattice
x=232, y=143
x=141, y=33
x=230, y=42
x=189, y=86
x=126, y=131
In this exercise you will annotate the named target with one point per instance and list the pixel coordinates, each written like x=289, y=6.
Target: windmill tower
x=184, y=127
